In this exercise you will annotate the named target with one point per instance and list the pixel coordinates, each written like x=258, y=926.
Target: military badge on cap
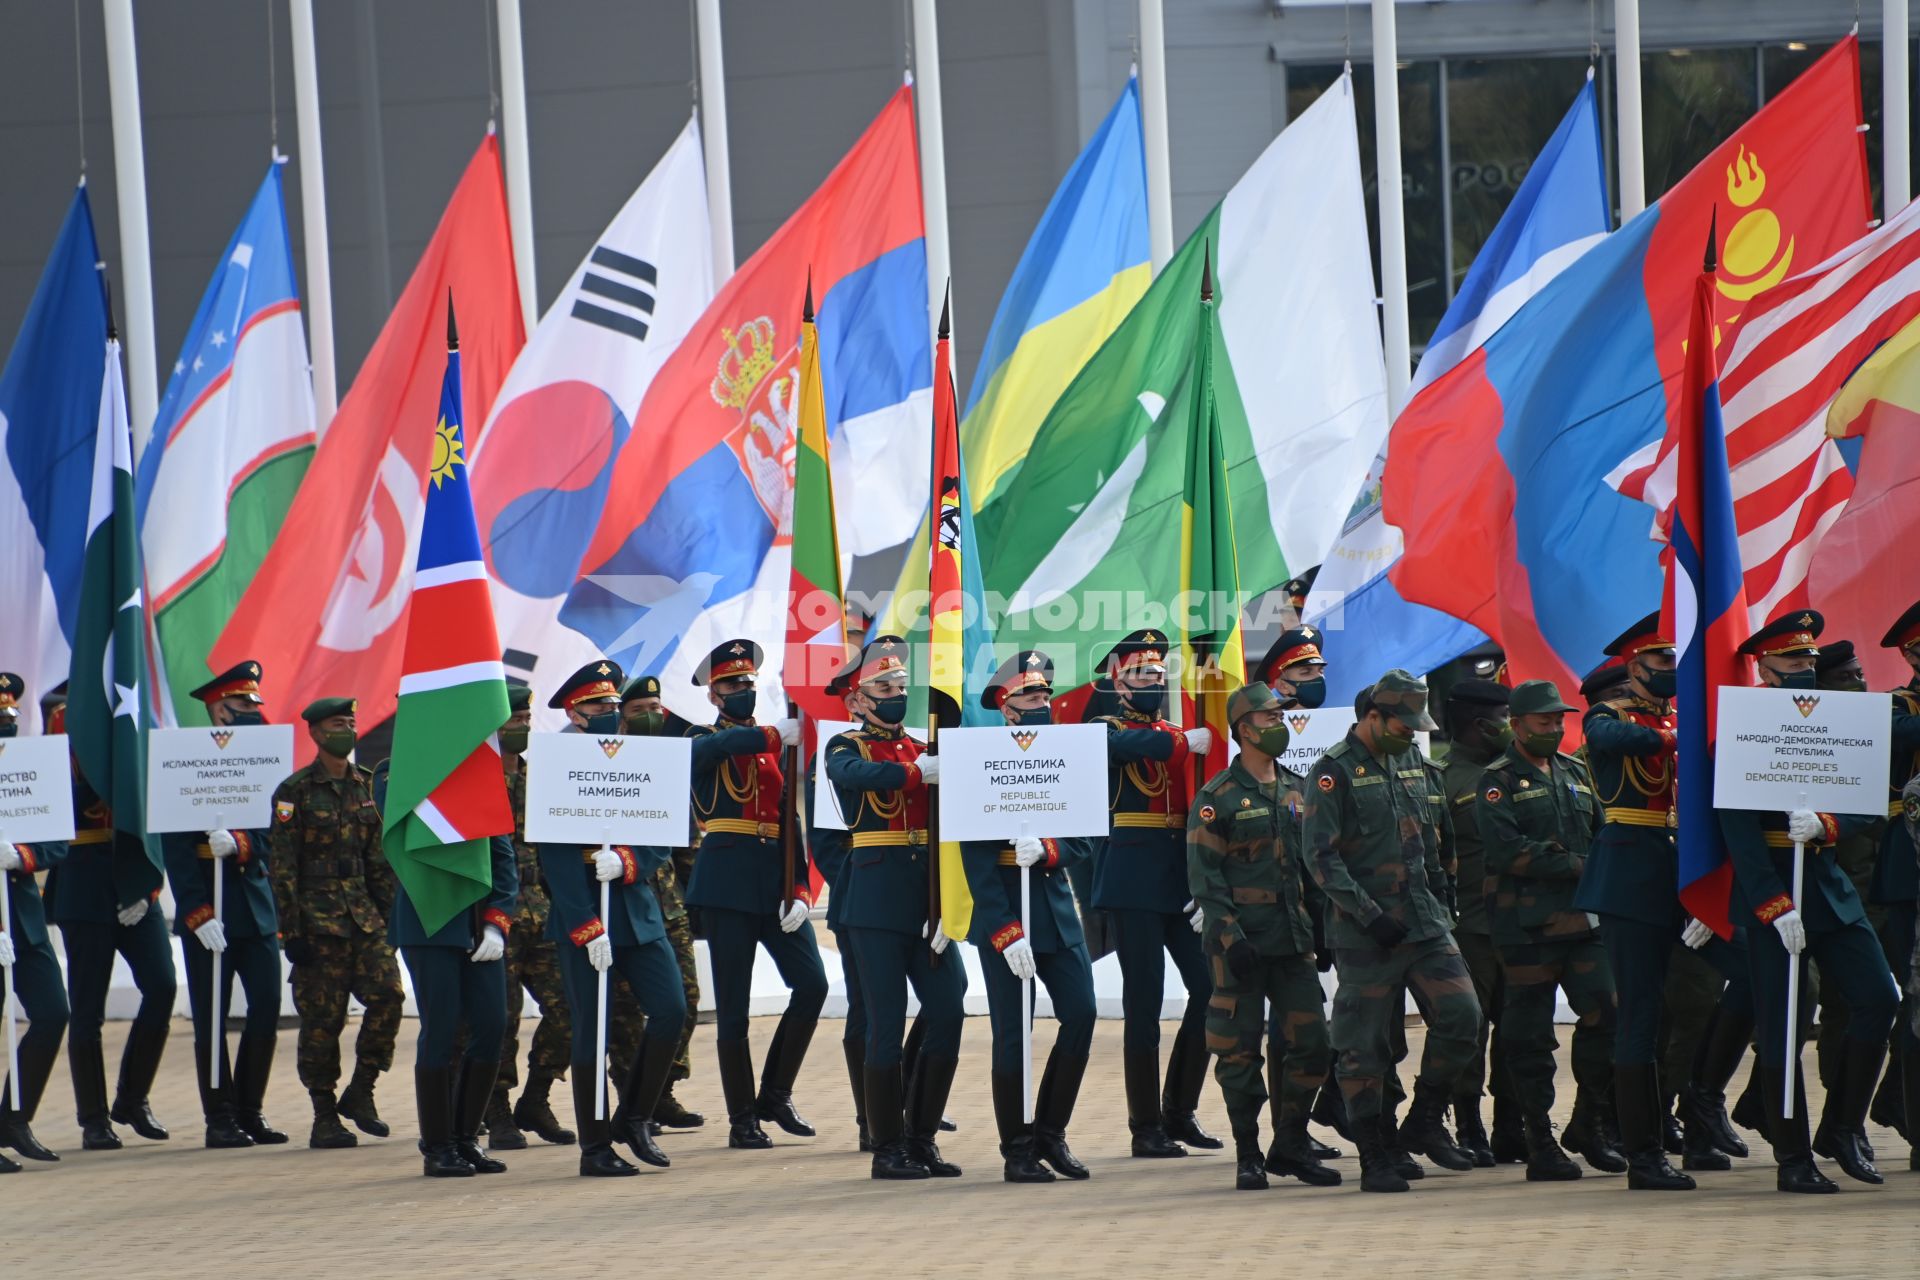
x=598, y=679
x=730, y=660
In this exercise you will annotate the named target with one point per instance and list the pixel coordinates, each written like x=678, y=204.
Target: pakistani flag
x=105, y=714
x=1084, y=537
x=446, y=795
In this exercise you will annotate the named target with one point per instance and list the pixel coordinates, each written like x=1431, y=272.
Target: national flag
x=1212, y=660
x=1085, y=535
x=1559, y=212
x=232, y=440
x=49, y=424
x=1498, y=471
x=1704, y=608
x=816, y=614
x=327, y=612
x=692, y=546
x=106, y=715
x=542, y=467
x=445, y=796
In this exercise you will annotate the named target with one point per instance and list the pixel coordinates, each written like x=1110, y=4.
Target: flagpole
x=6, y=995
x=217, y=1039
x=1896, y=181
x=313, y=216
x=600, y=1016
x=130, y=181
x=1153, y=125
x=1626, y=77
x=1791, y=1075
x=513, y=104
x=1393, y=229
x=933, y=149
x=713, y=136
x=1026, y=994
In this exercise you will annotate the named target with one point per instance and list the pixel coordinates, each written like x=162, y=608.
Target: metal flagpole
x=6, y=995
x=513, y=106
x=1896, y=87
x=313, y=216
x=713, y=137
x=130, y=181
x=933, y=154
x=1626, y=76
x=1153, y=124
x=1393, y=231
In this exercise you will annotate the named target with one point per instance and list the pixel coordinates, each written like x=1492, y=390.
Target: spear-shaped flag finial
x=106, y=285
x=806, y=311
x=453, y=334
x=1206, y=273
x=946, y=311
x=1713, y=239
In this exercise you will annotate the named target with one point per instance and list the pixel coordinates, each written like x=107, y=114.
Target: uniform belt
x=1896, y=808
x=93, y=835
x=1154, y=821
x=870, y=839
x=1244, y=896
x=1008, y=858
x=1641, y=817
x=1781, y=840
x=741, y=827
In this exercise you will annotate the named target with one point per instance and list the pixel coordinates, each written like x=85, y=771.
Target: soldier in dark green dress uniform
x=1828, y=923
x=1050, y=948
x=1140, y=880
x=1896, y=877
x=633, y=943
x=746, y=897
x=334, y=891
x=25, y=950
x=246, y=938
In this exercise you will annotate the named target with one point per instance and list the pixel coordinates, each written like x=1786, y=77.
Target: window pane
x=1692, y=100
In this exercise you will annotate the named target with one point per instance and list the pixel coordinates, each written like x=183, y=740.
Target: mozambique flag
x=816, y=619
x=1212, y=661
x=445, y=793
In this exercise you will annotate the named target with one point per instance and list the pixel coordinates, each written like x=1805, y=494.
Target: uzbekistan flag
x=445, y=793
x=1704, y=609
x=816, y=620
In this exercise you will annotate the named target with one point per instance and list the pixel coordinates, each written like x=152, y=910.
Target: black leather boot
x=1586, y=1135
x=886, y=1125
x=9, y=1166
x=1704, y=1101
x=1889, y=1103
x=926, y=1104
x=1509, y=1138
x=217, y=1105
x=784, y=1056
x=433, y=1098
x=1749, y=1111
x=651, y=1066
x=502, y=1133
x=534, y=1112
x=1425, y=1132
x=1292, y=1155
x=1636, y=1091
x=598, y=1159
x=671, y=1113
x=1016, y=1135
x=90, y=1102
x=1470, y=1132
x=1910, y=1097
x=855, y=1052
x=1844, y=1121
x=1249, y=1166
x=1150, y=1140
x=1546, y=1161
x=1791, y=1146
x=1376, y=1164
x=251, y=1070
x=328, y=1133
x=470, y=1097
x=36, y=1065
x=1402, y=1160
x=1330, y=1109
x=139, y=1063
x=1053, y=1110
x=1186, y=1077
x=356, y=1102
x=736, y=1085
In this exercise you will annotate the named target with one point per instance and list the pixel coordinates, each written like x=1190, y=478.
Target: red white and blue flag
x=1704, y=609
x=445, y=792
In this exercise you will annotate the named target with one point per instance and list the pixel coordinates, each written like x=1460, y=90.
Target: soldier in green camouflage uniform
x=1367, y=821
x=1537, y=817
x=334, y=889
x=1243, y=869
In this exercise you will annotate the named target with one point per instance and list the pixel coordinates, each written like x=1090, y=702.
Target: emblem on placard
x=1299, y=721
x=611, y=746
x=1025, y=737
x=221, y=737
x=1805, y=703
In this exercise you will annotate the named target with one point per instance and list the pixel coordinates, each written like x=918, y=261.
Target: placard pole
x=1792, y=1060
x=600, y=1019
x=1026, y=993
x=217, y=1041
x=6, y=994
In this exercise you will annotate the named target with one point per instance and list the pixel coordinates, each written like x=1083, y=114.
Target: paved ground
x=808, y=1207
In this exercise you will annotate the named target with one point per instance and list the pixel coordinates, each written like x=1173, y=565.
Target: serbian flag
x=1704, y=608
x=445, y=792
x=816, y=619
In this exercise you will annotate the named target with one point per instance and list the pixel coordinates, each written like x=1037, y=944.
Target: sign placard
x=1815, y=749
x=207, y=777
x=1045, y=780
x=36, y=789
x=1315, y=733
x=583, y=789
x=826, y=799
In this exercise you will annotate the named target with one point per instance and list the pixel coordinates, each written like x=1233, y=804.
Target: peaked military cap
x=1905, y=633
x=1028, y=669
x=12, y=688
x=1298, y=589
x=884, y=656
x=1642, y=637
x=1538, y=697
x=1403, y=695
x=241, y=680
x=326, y=708
x=1603, y=680
x=1249, y=698
x=729, y=660
x=598, y=679
x=1794, y=634
x=1296, y=644
x=641, y=687
x=1146, y=648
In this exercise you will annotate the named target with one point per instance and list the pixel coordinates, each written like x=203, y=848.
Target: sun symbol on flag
x=446, y=452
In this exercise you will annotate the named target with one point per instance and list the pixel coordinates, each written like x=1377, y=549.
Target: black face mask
x=9, y=728
x=605, y=722
x=1661, y=684
x=245, y=719
x=891, y=710
x=739, y=706
x=1311, y=693
x=1796, y=679
x=1036, y=715
x=1147, y=702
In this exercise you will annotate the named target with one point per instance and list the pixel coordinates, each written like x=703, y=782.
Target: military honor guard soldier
x=1896, y=877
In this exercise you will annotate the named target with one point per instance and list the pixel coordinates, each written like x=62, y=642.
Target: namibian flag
x=445, y=794
x=816, y=619
x=1704, y=608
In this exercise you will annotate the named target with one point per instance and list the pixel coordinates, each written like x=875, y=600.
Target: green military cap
x=1249, y=698
x=641, y=687
x=1537, y=697
x=1403, y=695
x=519, y=698
x=323, y=708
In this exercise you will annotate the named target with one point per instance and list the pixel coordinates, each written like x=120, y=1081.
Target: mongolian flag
x=445, y=793
x=816, y=620
x=1704, y=608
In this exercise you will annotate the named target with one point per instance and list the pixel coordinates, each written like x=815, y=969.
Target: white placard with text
x=216, y=777
x=1040, y=780
x=1315, y=733
x=826, y=800
x=585, y=789
x=36, y=790
x=1789, y=749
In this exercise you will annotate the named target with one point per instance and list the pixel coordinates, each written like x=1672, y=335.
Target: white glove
x=6, y=951
x=1200, y=740
x=221, y=844
x=600, y=953
x=1199, y=918
x=1695, y=935
x=795, y=917
x=1804, y=827
x=938, y=940
x=789, y=732
x=929, y=769
x=9, y=856
x=1027, y=851
x=492, y=945
x=133, y=915
x=1019, y=954
x=213, y=936
x=1793, y=934
x=607, y=865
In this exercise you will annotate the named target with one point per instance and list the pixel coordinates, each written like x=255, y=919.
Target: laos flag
x=693, y=545
x=1498, y=472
